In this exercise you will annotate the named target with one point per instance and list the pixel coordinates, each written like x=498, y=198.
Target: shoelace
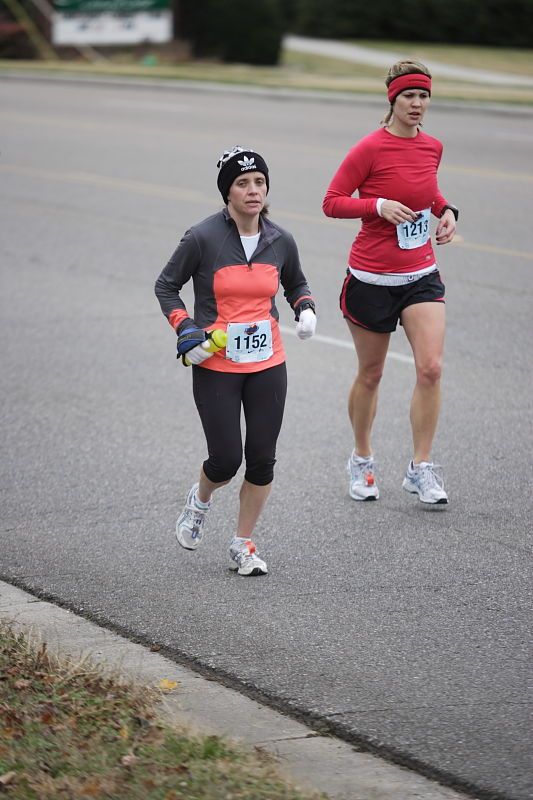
x=430, y=477
x=364, y=469
x=246, y=550
x=369, y=477
x=196, y=517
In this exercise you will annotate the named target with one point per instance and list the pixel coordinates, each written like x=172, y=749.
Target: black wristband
x=302, y=306
x=186, y=323
x=453, y=209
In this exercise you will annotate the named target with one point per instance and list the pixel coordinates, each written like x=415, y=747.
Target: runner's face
x=247, y=194
x=410, y=107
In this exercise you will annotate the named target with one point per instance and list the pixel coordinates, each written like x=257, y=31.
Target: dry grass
x=69, y=731
x=308, y=72
x=499, y=59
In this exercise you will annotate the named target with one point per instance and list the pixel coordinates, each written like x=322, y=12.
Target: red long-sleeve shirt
x=395, y=168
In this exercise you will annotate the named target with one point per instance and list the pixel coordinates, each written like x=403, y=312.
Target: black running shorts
x=379, y=308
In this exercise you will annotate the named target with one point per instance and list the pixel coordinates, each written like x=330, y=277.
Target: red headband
x=413, y=80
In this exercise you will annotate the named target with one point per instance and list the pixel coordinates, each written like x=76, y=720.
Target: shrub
x=490, y=22
x=235, y=30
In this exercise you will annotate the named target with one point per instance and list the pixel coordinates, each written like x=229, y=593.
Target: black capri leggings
x=218, y=397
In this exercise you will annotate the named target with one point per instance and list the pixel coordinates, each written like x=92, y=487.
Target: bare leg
x=424, y=325
x=371, y=351
x=252, y=501
x=207, y=487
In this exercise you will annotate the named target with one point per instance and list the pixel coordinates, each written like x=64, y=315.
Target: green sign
x=110, y=6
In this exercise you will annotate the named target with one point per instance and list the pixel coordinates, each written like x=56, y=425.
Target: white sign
x=101, y=29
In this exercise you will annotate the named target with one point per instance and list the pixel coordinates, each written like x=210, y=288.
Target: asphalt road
x=405, y=630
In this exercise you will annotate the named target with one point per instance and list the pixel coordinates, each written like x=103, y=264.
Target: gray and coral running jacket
x=227, y=287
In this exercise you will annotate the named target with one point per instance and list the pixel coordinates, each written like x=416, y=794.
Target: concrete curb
x=305, y=757
x=271, y=93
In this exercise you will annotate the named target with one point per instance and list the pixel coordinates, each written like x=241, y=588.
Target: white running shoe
x=244, y=557
x=363, y=484
x=426, y=481
x=190, y=523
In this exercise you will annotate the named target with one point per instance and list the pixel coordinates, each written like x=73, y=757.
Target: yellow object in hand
x=215, y=341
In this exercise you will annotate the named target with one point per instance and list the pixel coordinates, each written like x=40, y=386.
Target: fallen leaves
x=167, y=685
x=22, y=683
x=124, y=733
x=129, y=760
x=69, y=731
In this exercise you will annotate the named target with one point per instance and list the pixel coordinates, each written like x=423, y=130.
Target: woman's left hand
x=446, y=228
x=306, y=325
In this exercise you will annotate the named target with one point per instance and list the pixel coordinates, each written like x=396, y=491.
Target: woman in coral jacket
x=393, y=274
x=237, y=259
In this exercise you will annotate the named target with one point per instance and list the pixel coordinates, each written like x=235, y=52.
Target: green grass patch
x=338, y=74
x=499, y=59
x=302, y=71
x=312, y=64
x=70, y=731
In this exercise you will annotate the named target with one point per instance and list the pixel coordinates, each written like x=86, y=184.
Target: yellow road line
x=177, y=193
x=141, y=187
x=87, y=124
x=488, y=173
x=489, y=248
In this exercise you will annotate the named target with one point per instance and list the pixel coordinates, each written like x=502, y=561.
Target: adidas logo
x=247, y=163
x=227, y=154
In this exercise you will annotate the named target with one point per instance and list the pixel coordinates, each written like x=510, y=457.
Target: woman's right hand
x=189, y=336
x=197, y=354
x=396, y=213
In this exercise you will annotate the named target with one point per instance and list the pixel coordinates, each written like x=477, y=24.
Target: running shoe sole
x=368, y=497
x=256, y=571
x=410, y=487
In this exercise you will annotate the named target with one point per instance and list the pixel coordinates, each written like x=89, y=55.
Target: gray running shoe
x=190, y=523
x=362, y=479
x=244, y=558
x=427, y=482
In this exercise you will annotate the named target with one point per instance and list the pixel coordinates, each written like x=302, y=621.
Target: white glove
x=305, y=327
x=198, y=354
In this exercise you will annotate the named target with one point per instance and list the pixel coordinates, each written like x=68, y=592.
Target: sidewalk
x=304, y=756
x=382, y=58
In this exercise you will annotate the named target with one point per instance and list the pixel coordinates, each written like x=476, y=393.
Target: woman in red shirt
x=393, y=275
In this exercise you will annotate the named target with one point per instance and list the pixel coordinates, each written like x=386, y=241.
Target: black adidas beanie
x=235, y=162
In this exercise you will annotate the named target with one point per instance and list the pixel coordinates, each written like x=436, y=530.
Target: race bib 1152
x=249, y=341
